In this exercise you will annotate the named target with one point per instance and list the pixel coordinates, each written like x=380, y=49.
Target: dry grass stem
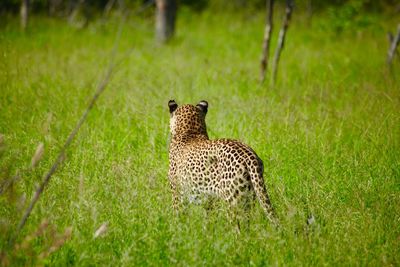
x=38, y=155
x=101, y=230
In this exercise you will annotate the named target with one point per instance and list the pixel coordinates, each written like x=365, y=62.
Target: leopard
x=224, y=169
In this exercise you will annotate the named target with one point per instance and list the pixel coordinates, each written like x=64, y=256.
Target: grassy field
x=328, y=133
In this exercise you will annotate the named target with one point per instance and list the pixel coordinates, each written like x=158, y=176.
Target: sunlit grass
x=328, y=134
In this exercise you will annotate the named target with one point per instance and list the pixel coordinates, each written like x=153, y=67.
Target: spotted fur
x=198, y=166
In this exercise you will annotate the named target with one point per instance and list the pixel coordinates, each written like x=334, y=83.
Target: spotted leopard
x=222, y=168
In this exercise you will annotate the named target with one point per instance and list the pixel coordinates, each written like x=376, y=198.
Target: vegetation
x=328, y=133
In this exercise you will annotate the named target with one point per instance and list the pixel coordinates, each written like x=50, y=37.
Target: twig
x=266, y=41
x=282, y=34
x=394, y=42
x=102, y=85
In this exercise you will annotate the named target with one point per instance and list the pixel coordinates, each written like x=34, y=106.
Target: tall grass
x=328, y=133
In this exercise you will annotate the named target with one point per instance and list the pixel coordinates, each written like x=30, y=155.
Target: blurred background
x=342, y=11
x=313, y=88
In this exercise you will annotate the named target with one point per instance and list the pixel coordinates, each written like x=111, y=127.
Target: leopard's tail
x=256, y=176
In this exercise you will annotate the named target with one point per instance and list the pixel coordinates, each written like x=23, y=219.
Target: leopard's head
x=188, y=119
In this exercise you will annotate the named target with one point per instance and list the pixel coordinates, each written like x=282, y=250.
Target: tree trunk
x=266, y=41
x=24, y=13
x=282, y=35
x=394, y=42
x=165, y=19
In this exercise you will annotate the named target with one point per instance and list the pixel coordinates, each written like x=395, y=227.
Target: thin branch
x=61, y=155
x=282, y=35
x=266, y=41
x=102, y=85
x=394, y=42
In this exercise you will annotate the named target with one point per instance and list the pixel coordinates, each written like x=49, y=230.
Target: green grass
x=328, y=133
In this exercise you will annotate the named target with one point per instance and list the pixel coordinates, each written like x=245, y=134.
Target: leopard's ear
x=172, y=106
x=203, y=106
